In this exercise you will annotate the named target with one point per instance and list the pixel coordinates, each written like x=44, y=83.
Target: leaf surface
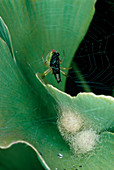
x=37, y=25
x=30, y=118
x=30, y=109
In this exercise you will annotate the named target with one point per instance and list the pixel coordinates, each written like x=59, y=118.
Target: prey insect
x=53, y=63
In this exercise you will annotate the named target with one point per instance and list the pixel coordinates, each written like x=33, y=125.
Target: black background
x=94, y=56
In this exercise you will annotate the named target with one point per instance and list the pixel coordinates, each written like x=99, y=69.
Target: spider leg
x=63, y=57
x=43, y=59
x=45, y=73
x=65, y=68
x=52, y=72
x=64, y=73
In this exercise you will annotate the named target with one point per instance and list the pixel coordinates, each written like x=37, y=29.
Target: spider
x=53, y=63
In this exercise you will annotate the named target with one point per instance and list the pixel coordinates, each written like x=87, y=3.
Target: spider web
x=93, y=62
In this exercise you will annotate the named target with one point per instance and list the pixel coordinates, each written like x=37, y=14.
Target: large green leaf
x=32, y=112
x=19, y=157
x=37, y=25
x=19, y=105
x=31, y=118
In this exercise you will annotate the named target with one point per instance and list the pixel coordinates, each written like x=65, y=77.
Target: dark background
x=94, y=57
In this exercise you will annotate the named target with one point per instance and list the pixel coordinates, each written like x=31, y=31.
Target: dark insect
x=55, y=65
x=53, y=62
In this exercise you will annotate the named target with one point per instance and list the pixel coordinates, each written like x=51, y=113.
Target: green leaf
x=20, y=108
x=5, y=35
x=37, y=25
x=19, y=156
x=38, y=114
x=29, y=118
x=99, y=109
x=104, y=155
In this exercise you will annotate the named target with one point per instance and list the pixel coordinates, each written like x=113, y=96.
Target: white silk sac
x=74, y=130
